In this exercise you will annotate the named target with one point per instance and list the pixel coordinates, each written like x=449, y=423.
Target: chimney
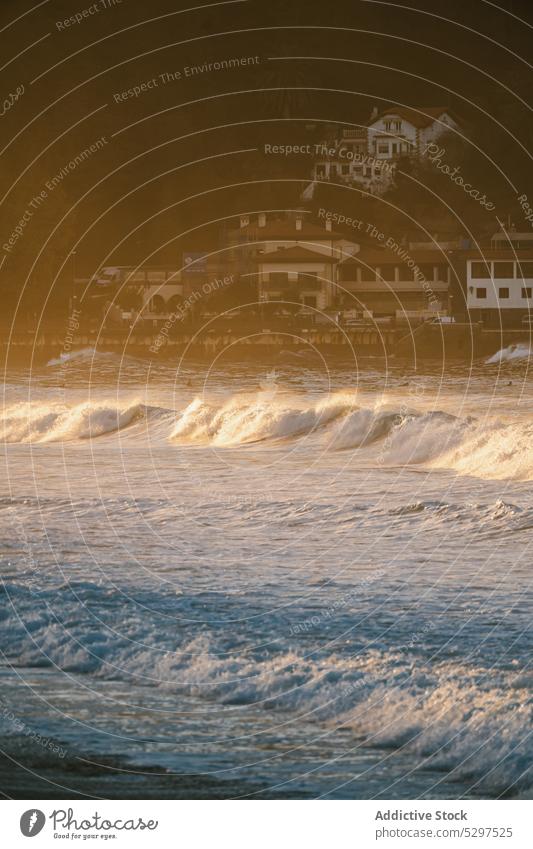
x=374, y=114
x=328, y=224
x=261, y=219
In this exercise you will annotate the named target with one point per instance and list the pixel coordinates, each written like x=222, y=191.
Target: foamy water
x=320, y=585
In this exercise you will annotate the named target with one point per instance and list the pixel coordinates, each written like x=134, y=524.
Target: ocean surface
x=282, y=579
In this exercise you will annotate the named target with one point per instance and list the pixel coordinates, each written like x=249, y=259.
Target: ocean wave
x=382, y=436
x=512, y=352
x=245, y=419
x=494, y=450
x=69, y=356
x=464, y=717
x=438, y=440
x=34, y=422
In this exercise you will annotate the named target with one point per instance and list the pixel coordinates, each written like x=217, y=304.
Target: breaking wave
x=242, y=420
x=34, y=422
x=488, y=448
x=67, y=357
x=464, y=717
x=512, y=352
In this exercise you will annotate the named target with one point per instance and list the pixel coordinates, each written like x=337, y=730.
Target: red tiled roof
x=287, y=230
x=421, y=117
x=377, y=257
x=295, y=254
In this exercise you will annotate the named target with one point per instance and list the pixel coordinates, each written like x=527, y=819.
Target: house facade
x=412, y=285
x=400, y=131
x=367, y=156
x=499, y=288
x=290, y=259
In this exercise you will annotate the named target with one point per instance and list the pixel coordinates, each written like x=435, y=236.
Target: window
x=388, y=272
x=320, y=170
x=427, y=271
x=442, y=273
x=280, y=279
x=525, y=270
x=383, y=148
x=481, y=292
x=526, y=293
x=503, y=292
x=397, y=126
x=388, y=125
x=345, y=169
x=347, y=272
x=407, y=273
x=480, y=270
x=308, y=280
x=503, y=270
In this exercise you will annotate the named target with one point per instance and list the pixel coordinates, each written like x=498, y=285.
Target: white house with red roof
x=366, y=156
x=403, y=131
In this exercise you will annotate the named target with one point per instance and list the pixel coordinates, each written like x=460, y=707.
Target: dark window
x=442, y=272
x=347, y=272
x=308, y=280
x=406, y=273
x=368, y=274
x=480, y=270
x=279, y=279
x=426, y=272
x=503, y=292
x=525, y=270
x=388, y=272
x=526, y=292
x=320, y=170
x=345, y=169
x=481, y=292
x=503, y=270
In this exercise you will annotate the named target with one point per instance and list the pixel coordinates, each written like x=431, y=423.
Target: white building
x=298, y=275
x=499, y=288
x=367, y=156
x=294, y=259
x=152, y=291
x=401, y=131
x=398, y=285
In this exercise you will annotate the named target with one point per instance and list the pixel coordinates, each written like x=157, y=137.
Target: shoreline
x=426, y=342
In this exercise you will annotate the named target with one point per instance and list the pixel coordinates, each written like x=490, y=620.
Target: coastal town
x=326, y=276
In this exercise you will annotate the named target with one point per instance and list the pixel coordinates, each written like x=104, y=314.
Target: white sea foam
x=467, y=718
x=69, y=356
x=512, y=352
x=384, y=436
x=244, y=419
x=34, y=422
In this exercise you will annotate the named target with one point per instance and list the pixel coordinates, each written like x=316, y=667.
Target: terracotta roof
x=421, y=117
x=295, y=254
x=377, y=257
x=287, y=230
